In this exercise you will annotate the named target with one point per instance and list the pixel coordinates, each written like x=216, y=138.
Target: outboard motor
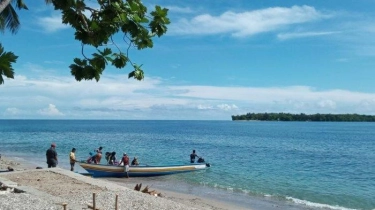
x=200, y=160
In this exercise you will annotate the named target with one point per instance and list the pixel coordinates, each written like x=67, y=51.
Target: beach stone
x=8, y=183
x=63, y=186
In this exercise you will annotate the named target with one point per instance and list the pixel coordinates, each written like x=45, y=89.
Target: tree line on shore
x=305, y=117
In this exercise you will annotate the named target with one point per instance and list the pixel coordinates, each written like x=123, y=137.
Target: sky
x=218, y=59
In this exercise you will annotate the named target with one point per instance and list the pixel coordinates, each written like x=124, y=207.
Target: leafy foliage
x=113, y=16
x=6, y=60
x=8, y=16
x=8, y=20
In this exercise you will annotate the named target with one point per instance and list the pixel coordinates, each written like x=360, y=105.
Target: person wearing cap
x=51, y=156
x=72, y=159
x=125, y=160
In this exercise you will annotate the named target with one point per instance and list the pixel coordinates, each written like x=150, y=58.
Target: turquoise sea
x=285, y=165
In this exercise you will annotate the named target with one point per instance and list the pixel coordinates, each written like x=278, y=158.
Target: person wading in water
x=192, y=157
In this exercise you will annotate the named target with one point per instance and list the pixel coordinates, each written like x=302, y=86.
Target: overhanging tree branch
x=129, y=17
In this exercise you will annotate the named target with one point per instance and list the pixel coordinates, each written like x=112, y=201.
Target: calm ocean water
x=299, y=165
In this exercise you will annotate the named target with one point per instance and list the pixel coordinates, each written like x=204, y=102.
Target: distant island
x=305, y=117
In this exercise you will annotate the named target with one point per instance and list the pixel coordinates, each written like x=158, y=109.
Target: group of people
x=52, y=161
x=112, y=160
x=110, y=157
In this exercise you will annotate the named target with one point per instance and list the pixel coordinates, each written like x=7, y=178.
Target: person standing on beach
x=125, y=160
x=72, y=159
x=51, y=156
x=192, y=156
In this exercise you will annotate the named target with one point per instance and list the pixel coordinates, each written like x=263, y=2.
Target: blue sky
x=218, y=59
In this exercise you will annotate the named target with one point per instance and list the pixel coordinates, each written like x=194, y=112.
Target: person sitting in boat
x=98, y=157
x=112, y=158
x=135, y=161
x=99, y=154
x=94, y=158
x=192, y=157
x=90, y=159
x=98, y=150
x=107, y=156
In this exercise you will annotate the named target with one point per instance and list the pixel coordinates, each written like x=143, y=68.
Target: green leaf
x=137, y=74
x=99, y=29
x=6, y=60
x=94, y=25
x=77, y=72
x=120, y=61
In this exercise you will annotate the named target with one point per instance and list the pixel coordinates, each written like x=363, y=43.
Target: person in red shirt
x=125, y=160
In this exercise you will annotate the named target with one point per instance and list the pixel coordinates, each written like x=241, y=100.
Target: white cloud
x=327, y=104
x=227, y=107
x=203, y=107
x=52, y=24
x=54, y=62
x=269, y=94
x=12, y=111
x=247, y=23
x=116, y=97
x=342, y=60
x=358, y=38
x=51, y=110
x=286, y=36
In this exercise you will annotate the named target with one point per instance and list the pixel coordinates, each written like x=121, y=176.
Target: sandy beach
x=50, y=188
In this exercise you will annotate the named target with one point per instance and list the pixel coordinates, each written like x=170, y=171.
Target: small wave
x=244, y=191
x=235, y=190
x=319, y=205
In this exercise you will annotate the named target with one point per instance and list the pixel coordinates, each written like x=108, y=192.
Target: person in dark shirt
x=135, y=161
x=51, y=156
x=112, y=158
x=107, y=157
x=192, y=157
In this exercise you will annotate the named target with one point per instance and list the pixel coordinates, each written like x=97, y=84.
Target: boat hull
x=98, y=170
